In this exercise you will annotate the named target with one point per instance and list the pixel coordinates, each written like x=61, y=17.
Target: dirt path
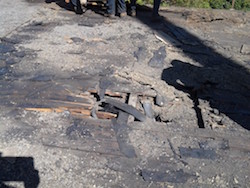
x=62, y=76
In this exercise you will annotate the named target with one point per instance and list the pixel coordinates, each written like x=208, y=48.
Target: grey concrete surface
x=14, y=14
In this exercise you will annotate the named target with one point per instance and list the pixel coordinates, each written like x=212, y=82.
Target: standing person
x=111, y=8
x=155, y=14
x=77, y=6
x=133, y=8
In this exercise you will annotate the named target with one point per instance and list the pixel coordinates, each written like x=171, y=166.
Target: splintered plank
x=80, y=116
x=132, y=101
x=109, y=93
x=98, y=129
x=44, y=103
x=58, y=110
x=127, y=108
x=53, y=104
x=71, y=98
x=87, y=137
x=66, y=95
x=77, y=112
x=102, y=147
x=105, y=115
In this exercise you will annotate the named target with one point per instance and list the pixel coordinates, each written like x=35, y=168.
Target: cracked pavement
x=196, y=60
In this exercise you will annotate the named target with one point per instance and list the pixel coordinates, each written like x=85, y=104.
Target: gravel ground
x=196, y=60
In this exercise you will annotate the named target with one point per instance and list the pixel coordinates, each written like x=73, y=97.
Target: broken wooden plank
x=105, y=115
x=45, y=109
x=132, y=101
x=44, y=103
x=79, y=115
x=127, y=108
x=147, y=106
x=122, y=117
x=108, y=92
x=85, y=95
x=85, y=144
x=78, y=111
x=61, y=109
x=122, y=136
x=74, y=104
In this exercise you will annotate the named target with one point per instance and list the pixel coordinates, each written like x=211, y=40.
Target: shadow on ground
x=18, y=169
x=99, y=8
x=218, y=80
x=62, y=4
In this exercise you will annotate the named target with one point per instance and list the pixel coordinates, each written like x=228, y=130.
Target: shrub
x=218, y=4
x=246, y=5
x=215, y=4
x=200, y=4
x=182, y=3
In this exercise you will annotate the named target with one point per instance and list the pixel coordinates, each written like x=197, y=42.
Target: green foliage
x=242, y=4
x=200, y=4
x=215, y=4
x=218, y=4
x=246, y=5
x=143, y=2
x=227, y=5
x=140, y=2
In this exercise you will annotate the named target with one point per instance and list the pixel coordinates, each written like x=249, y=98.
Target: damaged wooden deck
x=147, y=153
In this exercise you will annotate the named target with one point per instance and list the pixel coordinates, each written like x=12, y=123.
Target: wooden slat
x=44, y=109
x=86, y=143
x=105, y=115
x=132, y=101
x=108, y=92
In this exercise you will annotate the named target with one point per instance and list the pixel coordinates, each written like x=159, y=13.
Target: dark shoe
x=49, y=1
x=84, y=8
x=112, y=16
x=78, y=9
x=156, y=18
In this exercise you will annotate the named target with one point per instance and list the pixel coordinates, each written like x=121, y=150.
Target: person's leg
x=156, y=8
x=121, y=7
x=74, y=2
x=133, y=7
x=77, y=6
x=111, y=7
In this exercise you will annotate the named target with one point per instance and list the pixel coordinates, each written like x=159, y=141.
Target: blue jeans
x=111, y=5
x=75, y=2
x=133, y=4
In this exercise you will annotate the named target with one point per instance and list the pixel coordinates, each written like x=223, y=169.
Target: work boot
x=78, y=9
x=123, y=14
x=156, y=18
x=111, y=16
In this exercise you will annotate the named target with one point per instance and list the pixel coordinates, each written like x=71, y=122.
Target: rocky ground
x=187, y=77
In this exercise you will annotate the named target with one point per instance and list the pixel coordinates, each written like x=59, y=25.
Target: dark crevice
x=194, y=97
